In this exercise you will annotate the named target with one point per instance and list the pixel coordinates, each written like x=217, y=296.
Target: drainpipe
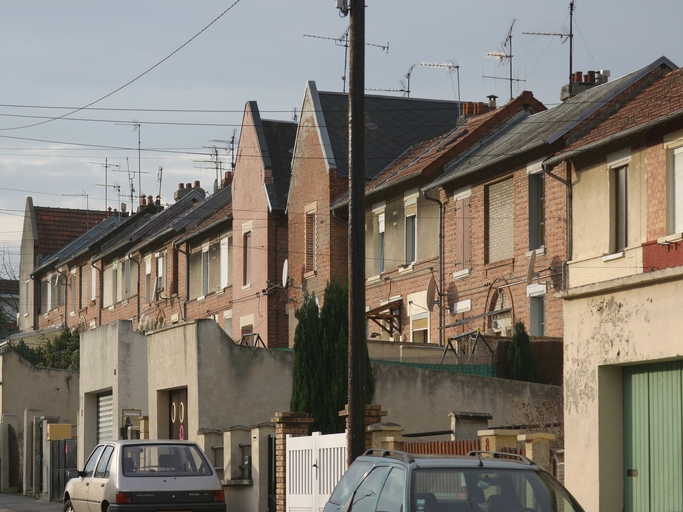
x=39, y=296
x=66, y=294
x=568, y=184
x=137, y=263
x=176, y=246
x=99, y=295
x=441, y=278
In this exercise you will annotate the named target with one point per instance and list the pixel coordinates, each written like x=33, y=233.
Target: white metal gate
x=314, y=466
x=105, y=416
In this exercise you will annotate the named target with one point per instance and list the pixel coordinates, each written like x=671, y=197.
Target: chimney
x=581, y=82
x=492, y=101
x=591, y=77
x=577, y=76
x=227, y=179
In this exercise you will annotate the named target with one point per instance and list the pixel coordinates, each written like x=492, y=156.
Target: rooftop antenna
x=405, y=86
x=343, y=41
x=217, y=163
x=159, y=177
x=131, y=178
x=87, y=204
x=106, y=166
x=564, y=36
x=450, y=66
x=116, y=186
x=504, y=54
x=137, y=127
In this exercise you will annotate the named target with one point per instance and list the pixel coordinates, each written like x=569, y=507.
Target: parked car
x=149, y=475
x=393, y=481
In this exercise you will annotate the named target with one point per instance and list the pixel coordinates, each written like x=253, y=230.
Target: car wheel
x=68, y=507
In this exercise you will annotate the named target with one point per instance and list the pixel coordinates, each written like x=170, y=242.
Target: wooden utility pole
x=355, y=444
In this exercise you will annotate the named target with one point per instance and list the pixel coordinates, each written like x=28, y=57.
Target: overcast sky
x=57, y=56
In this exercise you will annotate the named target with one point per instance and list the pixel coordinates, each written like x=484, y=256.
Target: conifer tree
x=522, y=364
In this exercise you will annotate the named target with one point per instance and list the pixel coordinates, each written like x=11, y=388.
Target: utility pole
x=355, y=441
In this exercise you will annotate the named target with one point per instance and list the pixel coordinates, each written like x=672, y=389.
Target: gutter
x=441, y=279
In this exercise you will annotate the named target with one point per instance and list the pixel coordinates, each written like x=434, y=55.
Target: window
x=462, y=231
x=410, y=203
x=49, y=293
x=161, y=273
x=205, y=270
x=83, y=271
x=675, y=209
x=74, y=292
x=227, y=319
x=419, y=327
x=393, y=491
x=126, y=279
x=363, y=498
x=26, y=297
x=500, y=221
x=148, y=279
x=114, y=283
x=93, y=284
x=226, y=261
x=104, y=465
x=92, y=461
x=310, y=241
x=246, y=258
x=620, y=198
x=536, y=211
x=537, y=316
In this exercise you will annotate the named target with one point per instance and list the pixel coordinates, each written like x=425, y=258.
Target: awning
x=385, y=317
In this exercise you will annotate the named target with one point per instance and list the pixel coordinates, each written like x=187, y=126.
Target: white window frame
x=616, y=164
x=675, y=192
x=410, y=210
x=206, y=269
x=93, y=283
x=74, y=292
x=379, y=214
x=160, y=282
x=225, y=249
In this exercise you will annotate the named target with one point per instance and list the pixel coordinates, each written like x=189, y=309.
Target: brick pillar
x=373, y=414
x=497, y=439
x=386, y=435
x=538, y=448
x=296, y=424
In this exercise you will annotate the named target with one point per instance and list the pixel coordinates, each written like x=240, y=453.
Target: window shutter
x=534, y=242
x=224, y=262
x=677, y=224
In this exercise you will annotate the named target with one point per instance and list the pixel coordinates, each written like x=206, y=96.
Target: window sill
x=540, y=251
x=237, y=483
x=670, y=239
x=373, y=279
x=246, y=287
x=220, y=292
x=615, y=256
x=309, y=274
x=201, y=298
x=72, y=314
x=403, y=269
x=111, y=308
x=461, y=274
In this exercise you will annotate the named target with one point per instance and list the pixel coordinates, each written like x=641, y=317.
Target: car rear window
x=494, y=490
x=164, y=460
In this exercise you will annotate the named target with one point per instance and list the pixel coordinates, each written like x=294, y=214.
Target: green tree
x=63, y=352
x=325, y=380
x=522, y=364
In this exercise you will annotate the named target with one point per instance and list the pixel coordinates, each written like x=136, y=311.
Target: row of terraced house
x=477, y=216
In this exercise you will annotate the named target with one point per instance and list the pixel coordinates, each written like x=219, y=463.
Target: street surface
x=21, y=503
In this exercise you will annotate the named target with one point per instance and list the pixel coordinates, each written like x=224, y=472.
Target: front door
x=653, y=438
x=177, y=408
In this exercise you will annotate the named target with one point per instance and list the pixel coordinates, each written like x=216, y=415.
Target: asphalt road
x=21, y=503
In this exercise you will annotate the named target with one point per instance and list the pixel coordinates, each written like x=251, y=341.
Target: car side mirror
x=74, y=473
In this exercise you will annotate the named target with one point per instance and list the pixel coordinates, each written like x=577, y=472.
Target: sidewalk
x=21, y=503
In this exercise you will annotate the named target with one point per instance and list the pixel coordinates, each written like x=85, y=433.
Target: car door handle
x=101, y=485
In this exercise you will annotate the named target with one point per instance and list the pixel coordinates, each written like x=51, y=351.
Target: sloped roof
x=80, y=244
x=9, y=287
x=429, y=156
x=59, y=226
x=661, y=100
x=546, y=127
x=280, y=137
x=392, y=124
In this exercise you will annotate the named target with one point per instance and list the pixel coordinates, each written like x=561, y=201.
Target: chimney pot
x=189, y=185
x=181, y=186
x=577, y=76
x=143, y=201
x=196, y=184
x=591, y=77
x=150, y=200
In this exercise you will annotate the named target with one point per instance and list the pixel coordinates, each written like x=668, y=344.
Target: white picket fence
x=314, y=466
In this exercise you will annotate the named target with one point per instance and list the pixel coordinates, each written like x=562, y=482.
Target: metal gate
x=105, y=416
x=14, y=459
x=314, y=466
x=653, y=446
x=62, y=459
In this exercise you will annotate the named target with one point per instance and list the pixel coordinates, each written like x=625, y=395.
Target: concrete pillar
x=260, y=439
x=538, y=448
x=30, y=466
x=296, y=424
x=386, y=435
x=497, y=439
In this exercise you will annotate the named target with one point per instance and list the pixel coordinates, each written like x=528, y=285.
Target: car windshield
x=164, y=460
x=488, y=490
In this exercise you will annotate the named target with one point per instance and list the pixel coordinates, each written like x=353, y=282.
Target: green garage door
x=653, y=437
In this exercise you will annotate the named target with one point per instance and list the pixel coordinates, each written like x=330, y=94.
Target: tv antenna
x=137, y=127
x=564, y=36
x=216, y=163
x=116, y=186
x=106, y=166
x=504, y=54
x=343, y=41
x=450, y=66
x=131, y=179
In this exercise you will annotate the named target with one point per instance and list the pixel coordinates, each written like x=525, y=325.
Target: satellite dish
x=530, y=269
x=431, y=288
x=285, y=273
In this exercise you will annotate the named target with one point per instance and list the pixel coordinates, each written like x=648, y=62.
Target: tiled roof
x=661, y=98
x=82, y=243
x=392, y=125
x=59, y=226
x=280, y=137
x=9, y=287
x=545, y=127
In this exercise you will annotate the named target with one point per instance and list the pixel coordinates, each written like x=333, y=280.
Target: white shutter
x=224, y=262
x=105, y=417
x=677, y=206
x=93, y=283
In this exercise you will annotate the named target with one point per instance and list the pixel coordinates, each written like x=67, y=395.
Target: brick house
x=318, y=240
x=624, y=277
x=46, y=230
x=505, y=220
x=260, y=187
x=402, y=235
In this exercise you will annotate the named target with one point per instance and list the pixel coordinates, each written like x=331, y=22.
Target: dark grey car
x=392, y=481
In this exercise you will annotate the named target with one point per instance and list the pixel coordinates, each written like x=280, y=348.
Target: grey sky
x=70, y=53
